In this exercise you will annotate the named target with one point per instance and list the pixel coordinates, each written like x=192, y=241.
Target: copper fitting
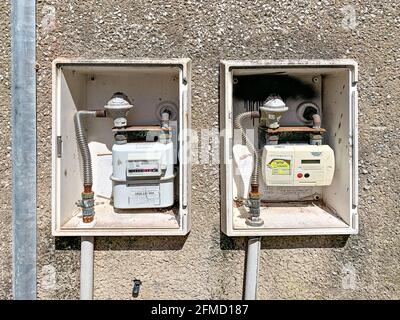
x=254, y=190
x=253, y=204
x=87, y=204
x=87, y=219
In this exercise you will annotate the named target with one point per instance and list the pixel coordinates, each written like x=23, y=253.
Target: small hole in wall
x=340, y=140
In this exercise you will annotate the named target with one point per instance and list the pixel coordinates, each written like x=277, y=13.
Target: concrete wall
x=206, y=264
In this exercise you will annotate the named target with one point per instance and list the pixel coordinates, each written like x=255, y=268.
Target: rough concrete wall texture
x=206, y=264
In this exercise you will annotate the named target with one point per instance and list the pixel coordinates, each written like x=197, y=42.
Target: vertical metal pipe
x=23, y=123
x=87, y=255
x=252, y=266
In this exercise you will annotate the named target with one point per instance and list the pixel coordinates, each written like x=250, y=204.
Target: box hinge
x=59, y=146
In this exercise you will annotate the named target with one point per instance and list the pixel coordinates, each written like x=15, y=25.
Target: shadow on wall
x=285, y=242
x=124, y=243
x=226, y=243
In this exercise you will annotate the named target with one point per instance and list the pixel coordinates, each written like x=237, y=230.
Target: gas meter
x=143, y=161
x=291, y=156
x=143, y=175
x=297, y=165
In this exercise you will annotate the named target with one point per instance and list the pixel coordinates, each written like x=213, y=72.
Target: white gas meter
x=143, y=175
x=143, y=160
x=298, y=165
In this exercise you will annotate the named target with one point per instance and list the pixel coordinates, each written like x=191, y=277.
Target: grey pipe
x=166, y=134
x=23, y=154
x=252, y=267
x=249, y=144
x=87, y=255
x=316, y=121
x=165, y=119
x=83, y=145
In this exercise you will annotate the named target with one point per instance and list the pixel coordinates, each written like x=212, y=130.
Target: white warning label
x=144, y=195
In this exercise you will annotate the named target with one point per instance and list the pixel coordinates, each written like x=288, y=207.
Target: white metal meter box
x=121, y=164
x=289, y=151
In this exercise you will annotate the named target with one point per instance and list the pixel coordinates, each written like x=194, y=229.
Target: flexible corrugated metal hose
x=83, y=145
x=249, y=144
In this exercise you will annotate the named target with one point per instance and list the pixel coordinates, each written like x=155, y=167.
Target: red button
x=299, y=175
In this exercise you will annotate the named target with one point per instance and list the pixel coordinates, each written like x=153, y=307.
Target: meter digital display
x=310, y=161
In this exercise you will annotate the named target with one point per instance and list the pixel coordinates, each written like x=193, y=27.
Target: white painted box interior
x=295, y=210
x=89, y=84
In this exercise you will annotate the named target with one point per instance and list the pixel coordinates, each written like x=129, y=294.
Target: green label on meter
x=280, y=167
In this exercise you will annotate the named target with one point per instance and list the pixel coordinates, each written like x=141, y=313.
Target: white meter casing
x=143, y=175
x=298, y=165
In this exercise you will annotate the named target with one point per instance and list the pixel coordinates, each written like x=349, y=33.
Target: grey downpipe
x=86, y=278
x=252, y=267
x=23, y=151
